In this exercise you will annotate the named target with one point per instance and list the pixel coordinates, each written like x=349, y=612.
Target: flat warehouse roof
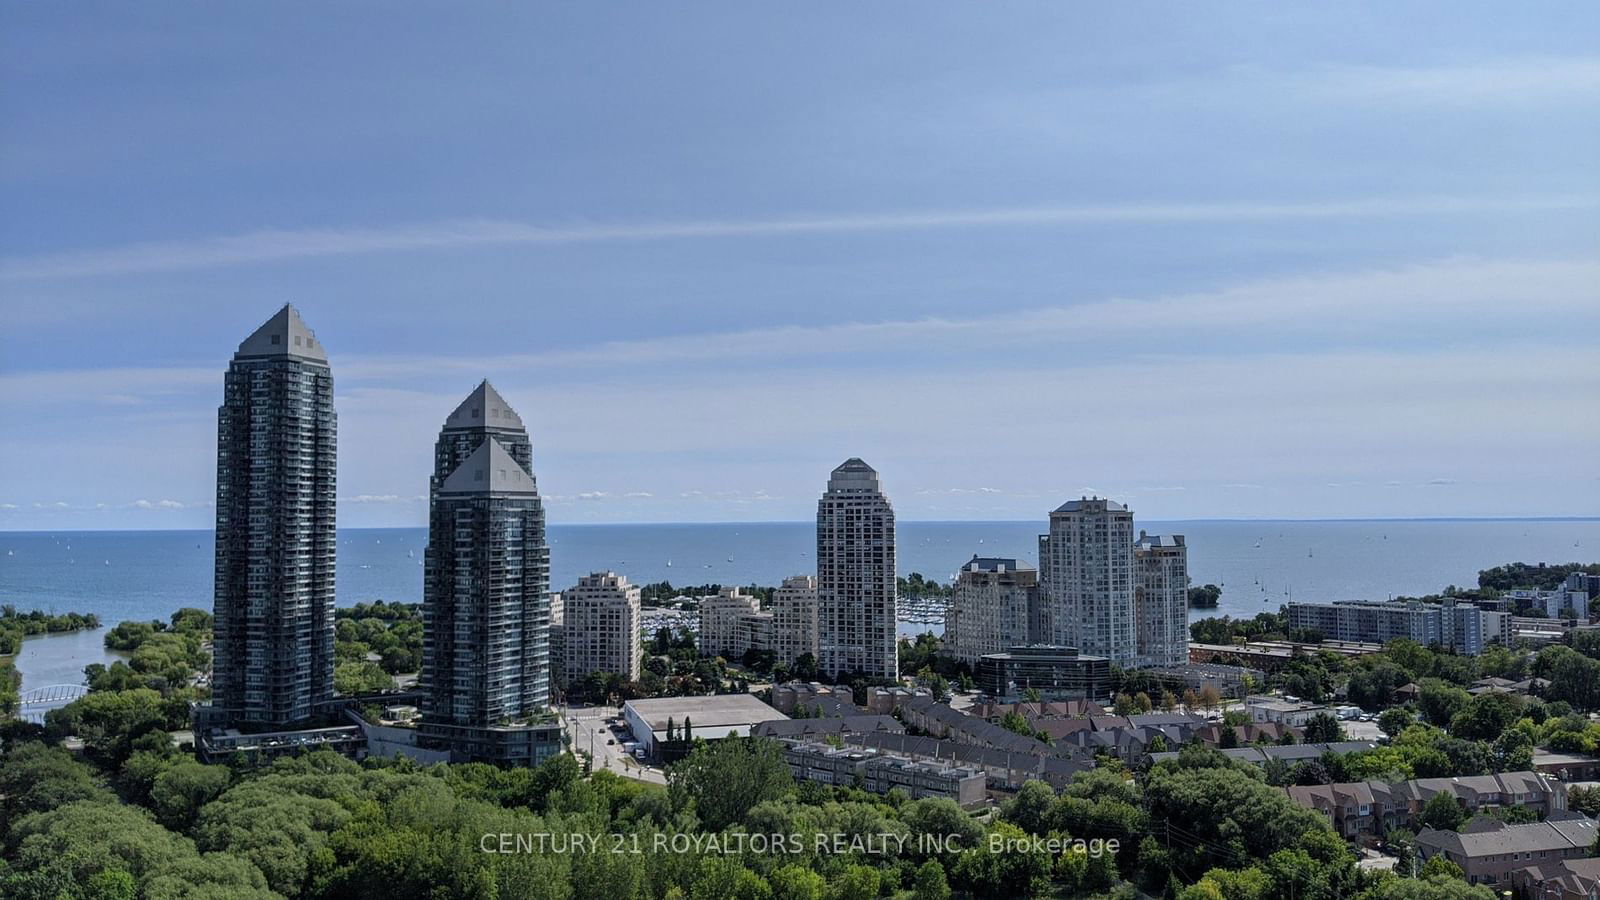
x=706, y=713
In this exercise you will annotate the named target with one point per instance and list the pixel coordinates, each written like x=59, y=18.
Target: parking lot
x=1357, y=730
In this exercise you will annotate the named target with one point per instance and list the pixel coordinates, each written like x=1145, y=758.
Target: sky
x=1223, y=261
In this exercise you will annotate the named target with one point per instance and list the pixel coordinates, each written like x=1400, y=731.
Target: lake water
x=146, y=575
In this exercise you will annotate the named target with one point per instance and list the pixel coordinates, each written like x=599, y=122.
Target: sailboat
x=1309, y=554
x=669, y=563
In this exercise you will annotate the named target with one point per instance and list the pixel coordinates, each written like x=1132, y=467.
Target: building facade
x=1086, y=579
x=855, y=575
x=275, y=540
x=486, y=602
x=794, y=618
x=601, y=630
x=1462, y=627
x=991, y=609
x=731, y=623
x=1056, y=673
x=880, y=772
x=1160, y=600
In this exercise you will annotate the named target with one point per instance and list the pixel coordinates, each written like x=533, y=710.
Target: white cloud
x=1519, y=81
x=1431, y=297
x=275, y=245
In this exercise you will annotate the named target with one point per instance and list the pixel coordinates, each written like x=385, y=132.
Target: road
x=589, y=732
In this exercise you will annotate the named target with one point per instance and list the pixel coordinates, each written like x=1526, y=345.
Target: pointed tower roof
x=853, y=475
x=484, y=408
x=285, y=334
x=490, y=470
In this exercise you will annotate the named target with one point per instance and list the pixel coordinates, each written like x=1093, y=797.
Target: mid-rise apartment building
x=1160, y=600
x=991, y=609
x=794, y=618
x=732, y=623
x=1462, y=627
x=601, y=630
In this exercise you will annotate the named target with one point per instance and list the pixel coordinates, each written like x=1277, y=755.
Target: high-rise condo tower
x=855, y=574
x=486, y=603
x=275, y=536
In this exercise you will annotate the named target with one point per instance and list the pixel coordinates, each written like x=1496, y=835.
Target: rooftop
x=283, y=335
x=490, y=470
x=711, y=716
x=853, y=475
x=993, y=564
x=1091, y=504
x=1487, y=838
x=484, y=408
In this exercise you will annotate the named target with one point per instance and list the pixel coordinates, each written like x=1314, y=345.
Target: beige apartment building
x=794, y=618
x=725, y=629
x=1160, y=600
x=991, y=607
x=601, y=627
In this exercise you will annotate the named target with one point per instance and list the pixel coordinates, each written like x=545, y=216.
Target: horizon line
x=1266, y=519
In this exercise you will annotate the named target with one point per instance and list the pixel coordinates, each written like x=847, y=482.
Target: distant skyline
x=1240, y=262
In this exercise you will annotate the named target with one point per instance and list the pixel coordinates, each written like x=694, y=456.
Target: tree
x=857, y=883
x=178, y=793
x=1438, y=866
x=931, y=883
x=1443, y=812
x=720, y=780
x=1513, y=751
x=361, y=678
x=1004, y=865
x=1585, y=800
x=1210, y=697
x=1030, y=809
x=1323, y=728
x=108, y=721
x=1486, y=716
x=795, y=882
x=1441, y=701
x=1394, y=720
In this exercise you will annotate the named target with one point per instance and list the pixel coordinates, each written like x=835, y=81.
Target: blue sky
x=1255, y=260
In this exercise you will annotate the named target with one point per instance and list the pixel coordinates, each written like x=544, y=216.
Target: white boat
x=669, y=563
